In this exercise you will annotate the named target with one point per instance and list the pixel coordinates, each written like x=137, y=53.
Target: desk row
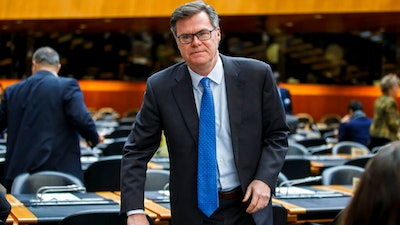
x=303, y=204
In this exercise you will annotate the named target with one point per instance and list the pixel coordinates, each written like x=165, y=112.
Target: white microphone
x=300, y=181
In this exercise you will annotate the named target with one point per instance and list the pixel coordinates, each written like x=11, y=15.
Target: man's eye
x=185, y=36
x=203, y=33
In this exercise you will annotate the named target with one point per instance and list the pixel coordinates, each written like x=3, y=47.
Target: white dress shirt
x=227, y=173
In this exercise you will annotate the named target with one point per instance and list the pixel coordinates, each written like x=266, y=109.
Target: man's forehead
x=194, y=24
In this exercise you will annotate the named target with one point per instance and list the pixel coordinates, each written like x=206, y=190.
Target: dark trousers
x=230, y=212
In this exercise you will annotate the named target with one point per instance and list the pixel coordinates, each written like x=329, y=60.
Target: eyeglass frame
x=196, y=34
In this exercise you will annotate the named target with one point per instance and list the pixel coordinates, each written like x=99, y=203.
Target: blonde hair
x=388, y=81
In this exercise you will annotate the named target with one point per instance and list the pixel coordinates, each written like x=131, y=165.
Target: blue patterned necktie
x=207, y=192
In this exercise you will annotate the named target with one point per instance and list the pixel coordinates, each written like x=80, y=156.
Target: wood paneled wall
x=317, y=100
x=320, y=100
x=77, y=9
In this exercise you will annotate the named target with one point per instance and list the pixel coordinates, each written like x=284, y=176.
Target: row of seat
x=103, y=175
x=313, y=146
x=336, y=175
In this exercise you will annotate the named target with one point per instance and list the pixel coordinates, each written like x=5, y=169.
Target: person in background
x=284, y=93
x=355, y=125
x=250, y=130
x=376, y=199
x=385, y=125
x=44, y=116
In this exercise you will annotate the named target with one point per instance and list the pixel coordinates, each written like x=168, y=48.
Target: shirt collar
x=215, y=75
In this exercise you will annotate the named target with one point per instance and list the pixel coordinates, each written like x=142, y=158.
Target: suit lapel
x=183, y=93
x=234, y=93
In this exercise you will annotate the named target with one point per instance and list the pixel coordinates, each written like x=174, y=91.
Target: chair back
x=114, y=148
x=280, y=214
x=359, y=161
x=345, y=147
x=156, y=180
x=97, y=217
x=297, y=149
x=341, y=175
x=304, y=119
x=120, y=132
x=104, y=174
x=281, y=178
x=295, y=168
x=29, y=183
x=311, y=142
x=331, y=120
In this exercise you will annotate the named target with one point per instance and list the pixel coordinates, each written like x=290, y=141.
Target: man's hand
x=137, y=219
x=260, y=194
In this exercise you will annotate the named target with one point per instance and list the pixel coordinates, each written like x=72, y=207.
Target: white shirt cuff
x=135, y=211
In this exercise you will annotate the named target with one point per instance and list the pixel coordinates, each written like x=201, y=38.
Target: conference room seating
x=97, y=217
x=29, y=183
x=126, y=121
x=304, y=120
x=119, y=132
x=345, y=147
x=282, y=179
x=115, y=147
x=296, y=167
x=279, y=214
x=341, y=175
x=360, y=161
x=106, y=114
x=312, y=142
x=157, y=179
x=297, y=149
x=376, y=149
x=104, y=174
x=331, y=120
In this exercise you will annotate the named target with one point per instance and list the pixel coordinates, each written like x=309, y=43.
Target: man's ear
x=58, y=68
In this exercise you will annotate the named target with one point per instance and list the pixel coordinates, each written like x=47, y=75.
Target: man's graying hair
x=189, y=9
x=46, y=55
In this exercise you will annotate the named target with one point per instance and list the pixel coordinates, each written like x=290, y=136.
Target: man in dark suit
x=355, y=125
x=284, y=93
x=251, y=133
x=44, y=116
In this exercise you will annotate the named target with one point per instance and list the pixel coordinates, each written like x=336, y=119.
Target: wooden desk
x=162, y=215
x=24, y=215
x=312, y=211
x=19, y=213
x=320, y=162
x=319, y=210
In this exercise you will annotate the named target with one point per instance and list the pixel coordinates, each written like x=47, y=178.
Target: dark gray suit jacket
x=258, y=129
x=44, y=116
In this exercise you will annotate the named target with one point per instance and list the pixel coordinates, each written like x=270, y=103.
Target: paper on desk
x=59, y=197
x=293, y=191
x=164, y=192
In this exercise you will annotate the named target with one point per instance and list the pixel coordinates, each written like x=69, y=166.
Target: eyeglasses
x=202, y=35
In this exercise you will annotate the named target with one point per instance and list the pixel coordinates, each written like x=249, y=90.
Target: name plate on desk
x=299, y=192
